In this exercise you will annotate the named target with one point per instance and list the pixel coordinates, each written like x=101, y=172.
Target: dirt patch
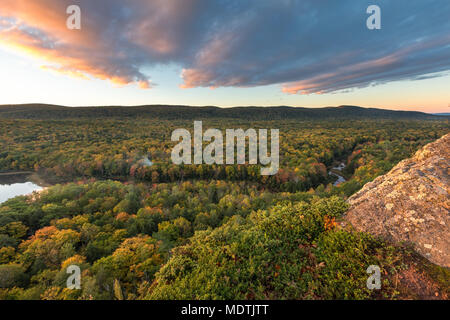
x=422, y=280
x=418, y=285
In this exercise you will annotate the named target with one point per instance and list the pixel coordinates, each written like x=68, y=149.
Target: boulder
x=410, y=204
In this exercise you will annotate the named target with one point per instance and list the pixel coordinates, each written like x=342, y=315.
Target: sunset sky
x=227, y=53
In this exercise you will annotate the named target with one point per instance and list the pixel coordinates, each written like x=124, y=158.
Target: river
x=340, y=179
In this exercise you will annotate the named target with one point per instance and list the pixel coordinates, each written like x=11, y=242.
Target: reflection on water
x=11, y=187
x=340, y=179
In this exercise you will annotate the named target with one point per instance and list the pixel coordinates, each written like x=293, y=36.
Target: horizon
x=215, y=106
x=290, y=53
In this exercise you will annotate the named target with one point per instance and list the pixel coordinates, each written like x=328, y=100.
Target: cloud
x=304, y=46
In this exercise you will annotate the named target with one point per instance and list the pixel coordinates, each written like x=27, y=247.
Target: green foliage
x=345, y=257
x=269, y=255
x=12, y=275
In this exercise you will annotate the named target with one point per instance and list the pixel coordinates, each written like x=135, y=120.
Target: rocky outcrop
x=411, y=203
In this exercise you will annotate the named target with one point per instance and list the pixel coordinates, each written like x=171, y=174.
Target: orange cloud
x=70, y=73
x=194, y=78
x=38, y=29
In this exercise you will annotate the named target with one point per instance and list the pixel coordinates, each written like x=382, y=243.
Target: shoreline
x=16, y=173
x=20, y=176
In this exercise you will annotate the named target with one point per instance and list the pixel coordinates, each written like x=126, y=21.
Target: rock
x=410, y=204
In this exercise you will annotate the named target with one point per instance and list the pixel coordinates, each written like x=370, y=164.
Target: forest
x=140, y=227
x=174, y=112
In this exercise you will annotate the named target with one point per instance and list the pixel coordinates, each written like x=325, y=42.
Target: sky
x=308, y=53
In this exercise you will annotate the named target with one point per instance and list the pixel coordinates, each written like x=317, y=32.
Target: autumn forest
x=141, y=227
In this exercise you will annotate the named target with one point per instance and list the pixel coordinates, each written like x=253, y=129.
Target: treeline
x=168, y=112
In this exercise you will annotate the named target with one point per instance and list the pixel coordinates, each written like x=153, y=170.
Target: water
x=13, y=186
x=340, y=179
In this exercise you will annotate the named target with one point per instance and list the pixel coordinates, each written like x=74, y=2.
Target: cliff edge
x=411, y=203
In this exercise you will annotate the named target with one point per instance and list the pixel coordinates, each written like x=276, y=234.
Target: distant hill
x=169, y=112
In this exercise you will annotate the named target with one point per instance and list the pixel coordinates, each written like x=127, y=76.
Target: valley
x=139, y=226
